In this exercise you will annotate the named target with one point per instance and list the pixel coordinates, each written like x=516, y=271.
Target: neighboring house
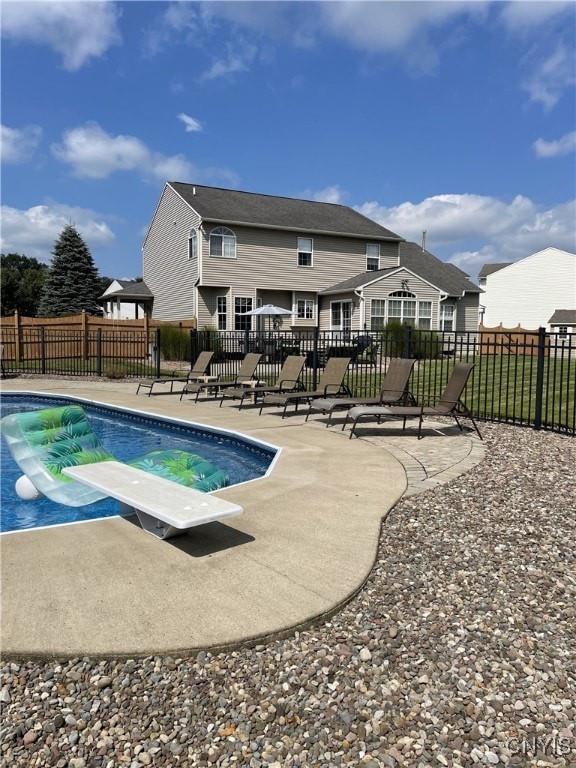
x=528, y=292
x=126, y=300
x=563, y=322
x=214, y=254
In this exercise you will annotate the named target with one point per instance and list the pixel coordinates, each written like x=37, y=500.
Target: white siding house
x=527, y=293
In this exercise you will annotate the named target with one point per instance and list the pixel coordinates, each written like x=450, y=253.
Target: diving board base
x=164, y=508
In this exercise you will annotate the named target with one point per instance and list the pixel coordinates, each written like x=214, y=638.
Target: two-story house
x=530, y=292
x=214, y=254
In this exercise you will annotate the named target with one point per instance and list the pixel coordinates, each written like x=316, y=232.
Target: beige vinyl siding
x=208, y=306
x=466, y=312
x=267, y=259
x=167, y=270
x=325, y=315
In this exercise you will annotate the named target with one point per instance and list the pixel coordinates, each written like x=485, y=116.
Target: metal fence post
x=99, y=352
x=43, y=349
x=540, y=378
x=157, y=351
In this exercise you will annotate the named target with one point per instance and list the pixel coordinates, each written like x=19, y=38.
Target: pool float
x=45, y=441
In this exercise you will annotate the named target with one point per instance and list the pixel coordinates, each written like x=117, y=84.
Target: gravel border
x=460, y=650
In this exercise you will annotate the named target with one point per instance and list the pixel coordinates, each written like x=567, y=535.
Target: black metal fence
x=521, y=378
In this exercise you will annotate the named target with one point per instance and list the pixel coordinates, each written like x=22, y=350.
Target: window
x=341, y=313
x=425, y=314
x=242, y=322
x=222, y=312
x=447, y=317
x=377, y=314
x=402, y=307
x=372, y=257
x=304, y=251
x=305, y=309
x=223, y=243
x=562, y=331
x=193, y=245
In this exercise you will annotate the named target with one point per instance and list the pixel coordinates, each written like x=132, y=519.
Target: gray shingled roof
x=228, y=206
x=447, y=277
x=563, y=317
x=131, y=290
x=487, y=269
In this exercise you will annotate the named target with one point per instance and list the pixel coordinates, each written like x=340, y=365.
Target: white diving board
x=164, y=508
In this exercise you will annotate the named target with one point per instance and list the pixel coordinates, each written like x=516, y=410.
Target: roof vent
x=193, y=190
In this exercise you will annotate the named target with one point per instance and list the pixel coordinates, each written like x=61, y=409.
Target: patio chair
x=331, y=381
x=198, y=369
x=449, y=404
x=394, y=390
x=218, y=383
x=288, y=381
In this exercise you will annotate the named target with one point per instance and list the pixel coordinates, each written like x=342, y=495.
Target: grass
x=502, y=388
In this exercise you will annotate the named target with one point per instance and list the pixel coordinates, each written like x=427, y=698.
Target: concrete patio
x=304, y=546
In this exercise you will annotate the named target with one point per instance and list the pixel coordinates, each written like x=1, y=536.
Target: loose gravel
x=459, y=651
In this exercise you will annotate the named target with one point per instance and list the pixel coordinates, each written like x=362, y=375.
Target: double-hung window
x=402, y=307
x=305, y=309
x=377, y=314
x=242, y=304
x=222, y=311
x=304, y=251
x=223, y=243
x=425, y=314
x=372, y=257
x=447, y=317
x=193, y=244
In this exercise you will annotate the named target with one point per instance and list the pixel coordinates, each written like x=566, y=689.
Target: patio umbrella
x=269, y=311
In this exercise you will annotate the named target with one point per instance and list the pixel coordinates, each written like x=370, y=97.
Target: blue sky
x=457, y=118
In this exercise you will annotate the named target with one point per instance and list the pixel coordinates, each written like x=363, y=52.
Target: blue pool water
x=127, y=435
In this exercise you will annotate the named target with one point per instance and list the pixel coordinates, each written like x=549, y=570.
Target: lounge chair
x=449, y=404
x=331, y=382
x=394, y=390
x=288, y=381
x=245, y=374
x=198, y=369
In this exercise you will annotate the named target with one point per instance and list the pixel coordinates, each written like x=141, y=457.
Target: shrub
x=174, y=343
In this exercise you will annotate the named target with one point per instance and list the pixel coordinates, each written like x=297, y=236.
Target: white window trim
x=300, y=250
x=193, y=245
x=371, y=256
x=218, y=313
x=223, y=232
x=308, y=303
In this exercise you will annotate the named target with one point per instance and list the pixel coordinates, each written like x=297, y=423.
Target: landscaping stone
x=459, y=650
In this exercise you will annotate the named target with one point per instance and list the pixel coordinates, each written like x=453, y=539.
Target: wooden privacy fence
x=508, y=341
x=78, y=336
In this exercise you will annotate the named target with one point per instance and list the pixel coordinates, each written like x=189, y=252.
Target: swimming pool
x=126, y=434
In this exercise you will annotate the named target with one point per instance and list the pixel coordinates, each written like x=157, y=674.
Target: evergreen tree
x=72, y=284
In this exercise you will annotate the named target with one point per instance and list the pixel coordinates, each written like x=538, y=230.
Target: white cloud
x=78, y=31
x=239, y=58
x=32, y=232
x=95, y=154
x=551, y=77
x=332, y=194
x=503, y=231
x=19, y=144
x=190, y=123
x=562, y=146
x=525, y=16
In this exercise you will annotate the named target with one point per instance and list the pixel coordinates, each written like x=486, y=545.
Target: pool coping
x=304, y=547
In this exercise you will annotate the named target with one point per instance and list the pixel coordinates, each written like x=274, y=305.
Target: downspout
x=361, y=300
